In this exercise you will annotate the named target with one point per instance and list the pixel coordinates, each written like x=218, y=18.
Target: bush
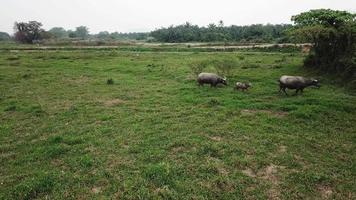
x=110, y=81
x=332, y=34
x=4, y=36
x=224, y=67
x=240, y=57
x=198, y=66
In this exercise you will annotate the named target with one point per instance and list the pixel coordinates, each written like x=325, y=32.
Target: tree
x=71, y=34
x=58, y=32
x=28, y=32
x=333, y=35
x=4, y=36
x=103, y=35
x=193, y=33
x=82, y=32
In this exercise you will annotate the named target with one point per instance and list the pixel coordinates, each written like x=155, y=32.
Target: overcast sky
x=145, y=15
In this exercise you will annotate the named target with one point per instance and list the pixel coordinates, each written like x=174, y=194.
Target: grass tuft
x=110, y=81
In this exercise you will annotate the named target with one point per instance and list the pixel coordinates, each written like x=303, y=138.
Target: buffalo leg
x=280, y=88
x=284, y=90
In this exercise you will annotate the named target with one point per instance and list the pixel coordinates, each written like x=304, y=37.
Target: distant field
x=154, y=134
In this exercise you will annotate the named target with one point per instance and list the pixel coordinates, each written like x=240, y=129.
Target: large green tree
x=4, y=36
x=333, y=36
x=28, y=32
x=82, y=32
x=58, y=32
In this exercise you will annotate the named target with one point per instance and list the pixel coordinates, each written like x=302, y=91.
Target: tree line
x=29, y=32
x=256, y=33
x=82, y=32
x=32, y=32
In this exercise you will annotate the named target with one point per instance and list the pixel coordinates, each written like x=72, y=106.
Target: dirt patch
x=279, y=114
x=325, y=191
x=223, y=171
x=282, y=149
x=113, y=102
x=268, y=174
x=176, y=150
x=96, y=190
x=215, y=138
x=249, y=172
x=161, y=191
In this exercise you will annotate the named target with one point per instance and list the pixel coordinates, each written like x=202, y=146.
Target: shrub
x=213, y=102
x=198, y=66
x=332, y=34
x=110, y=81
x=240, y=57
x=224, y=67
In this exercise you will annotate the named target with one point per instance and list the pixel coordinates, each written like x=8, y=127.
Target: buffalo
x=210, y=78
x=296, y=82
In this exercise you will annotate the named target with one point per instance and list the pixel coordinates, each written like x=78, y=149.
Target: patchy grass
x=154, y=134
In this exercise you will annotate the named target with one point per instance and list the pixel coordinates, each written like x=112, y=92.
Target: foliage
x=4, y=36
x=103, y=35
x=58, y=32
x=225, y=66
x=82, y=32
x=193, y=33
x=110, y=81
x=28, y=32
x=128, y=36
x=198, y=66
x=71, y=34
x=333, y=35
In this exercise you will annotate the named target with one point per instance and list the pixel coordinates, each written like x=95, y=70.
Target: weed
x=34, y=187
x=110, y=81
x=213, y=102
x=13, y=58
x=224, y=67
x=198, y=66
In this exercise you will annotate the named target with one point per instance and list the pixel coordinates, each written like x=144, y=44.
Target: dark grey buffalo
x=296, y=82
x=210, y=78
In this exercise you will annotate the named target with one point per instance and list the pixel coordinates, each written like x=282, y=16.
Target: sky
x=144, y=15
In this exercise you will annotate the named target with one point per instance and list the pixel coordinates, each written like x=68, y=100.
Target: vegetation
x=59, y=32
x=192, y=33
x=81, y=32
x=28, y=32
x=183, y=33
x=110, y=81
x=4, y=36
x=333, y=35
x=121, y=36
x=154, y=134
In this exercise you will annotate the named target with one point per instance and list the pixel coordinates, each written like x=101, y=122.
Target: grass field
x=154, y=134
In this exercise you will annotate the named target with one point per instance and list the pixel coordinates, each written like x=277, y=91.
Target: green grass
x=154, y=134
